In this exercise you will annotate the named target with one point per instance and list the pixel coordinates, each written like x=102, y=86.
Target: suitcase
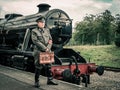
x=46, y=57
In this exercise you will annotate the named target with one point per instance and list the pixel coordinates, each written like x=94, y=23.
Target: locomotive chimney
x=43, y=7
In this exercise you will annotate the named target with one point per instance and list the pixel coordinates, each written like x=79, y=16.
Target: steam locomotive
x=16, y=47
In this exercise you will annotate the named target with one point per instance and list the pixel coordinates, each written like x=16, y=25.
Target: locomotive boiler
x=16, y=47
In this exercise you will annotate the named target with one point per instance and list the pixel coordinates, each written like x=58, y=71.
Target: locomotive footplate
x=74, y=68
x=70, y=74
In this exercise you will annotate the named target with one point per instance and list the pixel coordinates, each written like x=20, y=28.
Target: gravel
x=108, y=81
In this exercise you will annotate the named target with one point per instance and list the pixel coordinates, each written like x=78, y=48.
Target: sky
x=76, y=9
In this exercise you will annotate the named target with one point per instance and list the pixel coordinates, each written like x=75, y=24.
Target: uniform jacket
x=40, y=39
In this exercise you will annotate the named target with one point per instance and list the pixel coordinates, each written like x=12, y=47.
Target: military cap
x=41, y=19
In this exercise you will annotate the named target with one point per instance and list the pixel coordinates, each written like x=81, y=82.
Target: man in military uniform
x=43, y=42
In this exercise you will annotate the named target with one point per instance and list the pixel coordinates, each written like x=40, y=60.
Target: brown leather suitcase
x=46, y=57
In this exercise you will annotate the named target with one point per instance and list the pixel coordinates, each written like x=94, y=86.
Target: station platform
x=14, y=79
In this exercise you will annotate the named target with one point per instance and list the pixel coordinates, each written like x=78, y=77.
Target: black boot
x=37, y=85
x=49, y=75
x=51, y=82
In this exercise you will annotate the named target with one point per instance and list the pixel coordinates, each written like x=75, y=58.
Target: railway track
x=112, y=69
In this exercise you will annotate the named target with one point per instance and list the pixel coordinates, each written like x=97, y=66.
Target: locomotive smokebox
x=43, y=7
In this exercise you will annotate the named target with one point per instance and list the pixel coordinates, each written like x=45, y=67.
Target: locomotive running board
x=14, y=52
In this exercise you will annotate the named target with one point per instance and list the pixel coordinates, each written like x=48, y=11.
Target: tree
x=95, y=29
x=117, y=37
x=107, y=18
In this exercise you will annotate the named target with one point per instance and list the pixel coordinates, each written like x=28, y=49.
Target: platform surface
x=8, y=83
x=14, y=79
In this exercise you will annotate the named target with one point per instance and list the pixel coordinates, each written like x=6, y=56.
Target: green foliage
x=117, y=40
x=96, y=30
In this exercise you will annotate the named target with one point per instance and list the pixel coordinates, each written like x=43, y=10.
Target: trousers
x=47, y=72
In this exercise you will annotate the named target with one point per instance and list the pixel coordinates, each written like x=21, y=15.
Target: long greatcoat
x=40, y=38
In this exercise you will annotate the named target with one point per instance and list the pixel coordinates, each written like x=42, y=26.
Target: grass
x=105, y=55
